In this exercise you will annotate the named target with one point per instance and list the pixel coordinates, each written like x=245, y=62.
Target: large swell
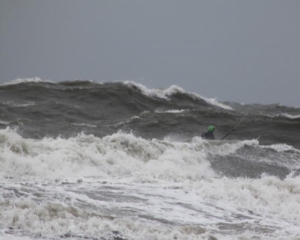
x=88, y=160
x=42, y=109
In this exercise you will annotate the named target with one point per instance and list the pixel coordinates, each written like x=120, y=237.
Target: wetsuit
x=208, y=135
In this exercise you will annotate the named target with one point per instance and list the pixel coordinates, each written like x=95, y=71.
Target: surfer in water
x=209, y=134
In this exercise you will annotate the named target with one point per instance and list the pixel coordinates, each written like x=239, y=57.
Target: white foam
x=119, y=155
x=129, y=120
x=171, y=111
x=14, y=104
x=165, y=94
x=290, y=116
x=84, y=125
x=192, y=206
x=286, y=115
x=281, y=147
x=175, y=89
x=214, y=101
x=222, y=148
x=25, y=80
x=55, y=219
x=5, y=236
x=271, y=200
x=170, y=181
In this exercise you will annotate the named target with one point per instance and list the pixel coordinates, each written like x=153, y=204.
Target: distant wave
x=13, y=104
x=282, y=115
x=171, y=111
x=290, y=116
x=158, y=93
x=83, y=124
x=25, y=80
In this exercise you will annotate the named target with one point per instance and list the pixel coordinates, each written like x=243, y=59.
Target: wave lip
x=172, y=90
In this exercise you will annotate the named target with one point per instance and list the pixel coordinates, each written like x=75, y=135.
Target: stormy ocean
x=119, y=161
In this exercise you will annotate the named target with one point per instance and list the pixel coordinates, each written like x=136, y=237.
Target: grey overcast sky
x=242, y=51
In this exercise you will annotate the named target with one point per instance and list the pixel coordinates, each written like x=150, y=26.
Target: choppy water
x=87, y=160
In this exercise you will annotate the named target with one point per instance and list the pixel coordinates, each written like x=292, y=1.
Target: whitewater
x=88, y=160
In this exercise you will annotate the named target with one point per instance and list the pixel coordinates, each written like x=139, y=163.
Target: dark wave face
x=67, y=108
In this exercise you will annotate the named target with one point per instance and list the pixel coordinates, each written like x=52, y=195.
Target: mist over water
x=116, y=160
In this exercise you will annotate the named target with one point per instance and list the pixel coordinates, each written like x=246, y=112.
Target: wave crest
x=173, y=90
